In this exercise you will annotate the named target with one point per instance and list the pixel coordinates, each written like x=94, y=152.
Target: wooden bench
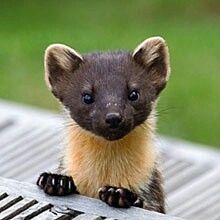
x=29, y=136
x=19, y=200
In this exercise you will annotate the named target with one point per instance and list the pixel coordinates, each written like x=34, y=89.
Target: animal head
x=108, y=93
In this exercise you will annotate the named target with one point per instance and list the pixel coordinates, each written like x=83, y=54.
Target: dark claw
x=42, y=180
x=139, y=203
x=55, y=184
x=119, y=197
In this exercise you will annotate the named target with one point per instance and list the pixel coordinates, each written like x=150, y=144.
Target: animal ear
x=60, y=62
x=153, y=55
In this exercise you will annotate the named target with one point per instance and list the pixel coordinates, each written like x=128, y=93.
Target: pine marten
x=110, y=98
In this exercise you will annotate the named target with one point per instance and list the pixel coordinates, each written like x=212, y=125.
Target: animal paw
x=56, y=185
x=119, y=197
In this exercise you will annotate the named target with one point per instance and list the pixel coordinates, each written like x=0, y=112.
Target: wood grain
x=82, y=204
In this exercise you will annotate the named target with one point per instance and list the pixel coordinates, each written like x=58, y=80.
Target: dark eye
x=88, y=99
x=133, y=96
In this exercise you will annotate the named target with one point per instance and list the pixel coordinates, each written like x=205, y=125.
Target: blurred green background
x=189, y=107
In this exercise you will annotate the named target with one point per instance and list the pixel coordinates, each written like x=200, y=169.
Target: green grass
x=189, y=107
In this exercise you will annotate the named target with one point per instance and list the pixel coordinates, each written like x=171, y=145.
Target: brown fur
x=95, y=155
x=94, y=162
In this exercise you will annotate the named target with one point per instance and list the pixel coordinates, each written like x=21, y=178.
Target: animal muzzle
x=113, y=119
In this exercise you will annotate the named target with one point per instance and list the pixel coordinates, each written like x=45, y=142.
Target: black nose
x=113, y=119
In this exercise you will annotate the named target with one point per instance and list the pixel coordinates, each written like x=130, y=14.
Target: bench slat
x=80, y=203
x=9, y=201
x=87, y=217
x=48, y=215
x=34, y=210
x=17, y=208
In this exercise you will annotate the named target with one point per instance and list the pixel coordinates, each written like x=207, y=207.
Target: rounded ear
x=153, y=55
x=60, y=61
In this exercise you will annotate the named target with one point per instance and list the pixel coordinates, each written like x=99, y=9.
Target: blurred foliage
x=189, y=107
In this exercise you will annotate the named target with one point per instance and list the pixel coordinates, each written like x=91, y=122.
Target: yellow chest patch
x=94, y=162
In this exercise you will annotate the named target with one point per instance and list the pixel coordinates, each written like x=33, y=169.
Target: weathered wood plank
x=87, y=217
x=16, y=136
x=33, y=211
x=79, y=203
x=196, y=210
x=204, y=196
x=177, y=168
x=36, y=138
x=17, y=208
x=9, y=201
x=202, y=184
x=65, y=210
x=48, y=215
x=38, y=151
x=184, y=177
x=214, y=209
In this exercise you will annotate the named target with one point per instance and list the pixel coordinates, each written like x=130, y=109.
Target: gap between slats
x=17, y=208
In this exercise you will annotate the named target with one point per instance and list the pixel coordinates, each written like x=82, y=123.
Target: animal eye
x=88, y=99
x=134, y=95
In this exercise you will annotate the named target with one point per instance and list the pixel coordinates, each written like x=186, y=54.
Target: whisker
x=164, y=111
